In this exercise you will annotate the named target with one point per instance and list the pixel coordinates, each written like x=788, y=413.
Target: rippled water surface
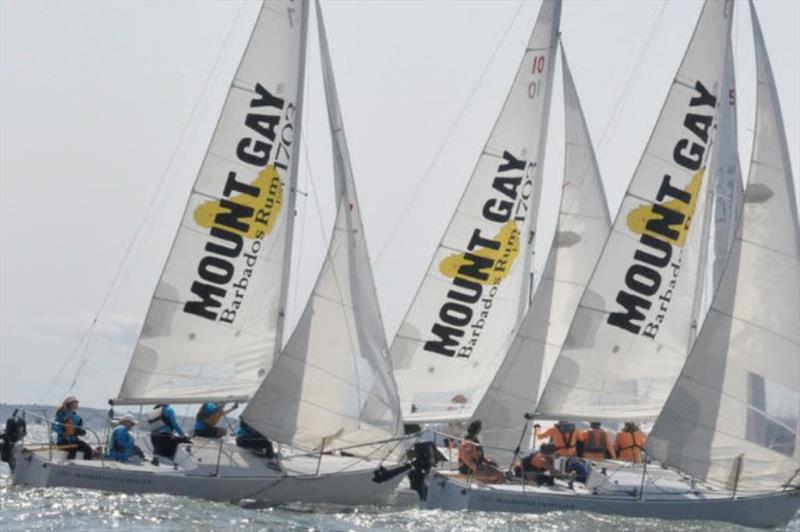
x=63, y=509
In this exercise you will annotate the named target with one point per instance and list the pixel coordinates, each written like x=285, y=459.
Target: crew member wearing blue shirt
x=68, y=426
x=208, y=417
x=122, y=445
x=165, y=432
x=249, y=438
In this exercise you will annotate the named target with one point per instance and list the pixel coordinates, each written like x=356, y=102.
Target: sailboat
x=213, y=330
x=730, y=423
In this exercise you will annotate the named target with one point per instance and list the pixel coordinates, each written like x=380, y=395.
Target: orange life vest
x=564, y=437
x=629, y=446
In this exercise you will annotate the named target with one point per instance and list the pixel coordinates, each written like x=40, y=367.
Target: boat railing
x=42, y=415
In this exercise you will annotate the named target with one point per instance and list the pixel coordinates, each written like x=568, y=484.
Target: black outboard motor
x=16, y=429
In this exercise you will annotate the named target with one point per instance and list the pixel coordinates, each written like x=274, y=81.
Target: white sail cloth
x=630, y=335
x=464, y=316
x=582, y=228
x=210, y=331
x=728, y=189
x=332, y=384
x=726, y=197
x=735, y=410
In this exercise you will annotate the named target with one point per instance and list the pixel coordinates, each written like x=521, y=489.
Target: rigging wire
x=89, y=335
x=626, y=90
x=448, y=135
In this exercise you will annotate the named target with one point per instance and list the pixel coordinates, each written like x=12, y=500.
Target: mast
x=290, y=216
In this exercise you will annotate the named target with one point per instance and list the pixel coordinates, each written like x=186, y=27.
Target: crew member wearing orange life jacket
x=563, y=435
x=596, y=443
x=629, y=443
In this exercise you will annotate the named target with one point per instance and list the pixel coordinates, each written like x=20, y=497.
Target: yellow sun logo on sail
x=637, y=219
x=502, y=258
x=265, y=207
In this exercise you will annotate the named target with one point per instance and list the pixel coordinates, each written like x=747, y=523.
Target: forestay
x=332, y=385
x=735, y=409
x=212, y=326
x=630, y=335
x=464, y=316
x=582, y=228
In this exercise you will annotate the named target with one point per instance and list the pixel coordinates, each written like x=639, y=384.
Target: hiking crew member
x=472, y=461
x=596, y=443
x=249, y=438
x=539, y=465
x=163, y=425
x=68, y=425
x=122, y=445
x=629, y=443
x=207, y=418
x=563, y=435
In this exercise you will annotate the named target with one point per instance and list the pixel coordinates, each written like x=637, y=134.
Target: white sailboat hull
x=763, y=511
x=341, y=480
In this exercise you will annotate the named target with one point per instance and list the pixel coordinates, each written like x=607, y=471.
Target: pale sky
x=94, y=97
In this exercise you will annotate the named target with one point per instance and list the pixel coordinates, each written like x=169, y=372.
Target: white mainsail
x=214, y=321
x=464, y=316
x=733, y=418
x=630, y=335
x=332, y=384
x=582, y=229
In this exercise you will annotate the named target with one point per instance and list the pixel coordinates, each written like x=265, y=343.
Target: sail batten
x=736, y=404
x=464, y=316
x=332, y=385
x=628, y=338
x=212, y=327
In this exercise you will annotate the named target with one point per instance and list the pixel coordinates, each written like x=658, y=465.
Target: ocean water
x=63, y=509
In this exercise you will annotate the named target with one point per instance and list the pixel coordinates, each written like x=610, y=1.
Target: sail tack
x=211, y=328
x=464, y=316
x=733, y=418
x=332, y=385
x=630, y=335
x=582, y=229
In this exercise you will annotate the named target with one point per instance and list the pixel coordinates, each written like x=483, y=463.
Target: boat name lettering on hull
x=663, y=227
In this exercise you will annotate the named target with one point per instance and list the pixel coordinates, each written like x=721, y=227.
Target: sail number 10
x=537, y=67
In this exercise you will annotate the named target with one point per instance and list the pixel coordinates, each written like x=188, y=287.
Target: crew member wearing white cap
x=122, y=445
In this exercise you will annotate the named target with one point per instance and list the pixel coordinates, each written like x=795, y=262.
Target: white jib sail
x=332, y=385
x=464, y=316
x=211, y=328
x=726, y=197
x=582, y=229
x=630, y=335
x=735, y=410
x=728, y=190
